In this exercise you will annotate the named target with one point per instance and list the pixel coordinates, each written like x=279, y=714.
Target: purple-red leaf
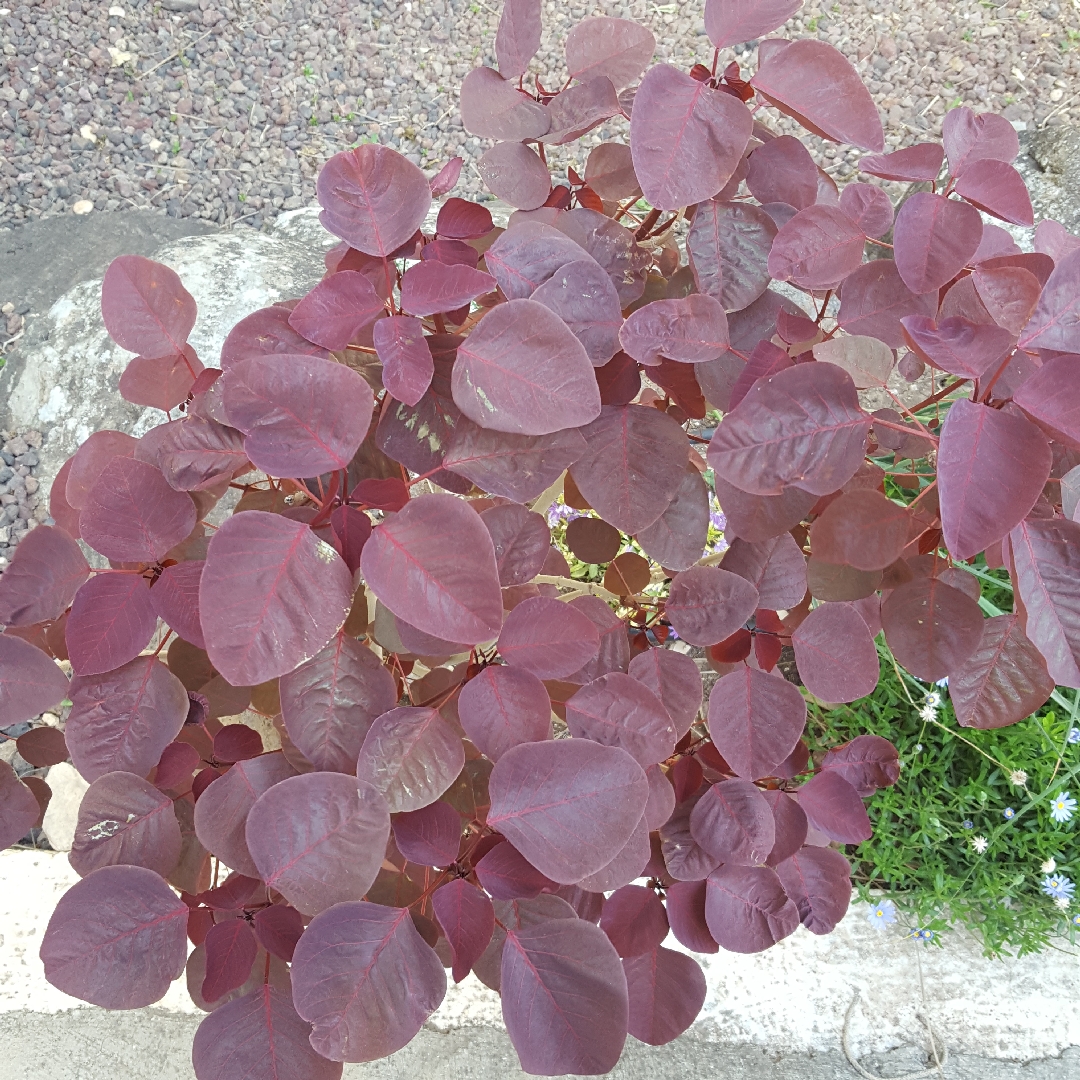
x=919, y=162
x=42, y=578
x=523, y=371
x=263, y=333
x=336, y=310
x=818, y=880
x=633, y=465
x=493, y=108
x=619, y=49
x=302, y=416
x=447, y=177
x=406, y=359
x=566, y=805
x=117, y=938
x=707, y=604
x=30, y=681
x=467, y=919
x=230, y=948
x=429, y=836
x=1004, y=681
x=123, y=819
x=874, y=300
x=971, y=137
x=863, y=528
x=260, y=1035
x=728, y=245
x=869, y=207
x=686, y=914
x=1055, y=323
x=564, y=997
x=617, y=710
x=582, y=295
x=518, y=37
x=1051, y=397
x=835, y=653
x=160, y=382
x=801, y=426
x=411, y=755
x=508, y=875
x=731, y=22
x=747, y=910
x=175, y=599
x=122, y=720
x=755, y=720
x=373, y=197
x=366, y=980
x=675, y=679
x=775, y=567
x=815, y=83
x=992, y=466
x=634, y=920
x=833, y=806
x=527, y=254
x=318, y=839
x=782, y=171
x=329, y=702
x=957, y=345
x=504, y=706
x=514, y=173
x=433, y=565
x=237, y=742
x=817, y=248
x=278, y=929
x=197, y=454
x=997, y=188
x=522, y=541
x=692, y=330
x=666, y=991
x=687, y=139
x=430, y=286
x=677, y=538
x=548, y=638
x=934, y=238
x=609, y=171
x=578, y=109
x=733, y=822
x=272, y=594
x=145, y=308
x=19, y=809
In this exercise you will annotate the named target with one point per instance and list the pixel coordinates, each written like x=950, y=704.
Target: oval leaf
x=835, y=653
x=666, y=990
x=934, y=238
x=617, y=710
x=707, y=604
x=747, y=910
x=548, y=638
x=42, y=578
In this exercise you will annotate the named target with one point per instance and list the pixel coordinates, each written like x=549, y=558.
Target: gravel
x=22, y=503
x=226, y=109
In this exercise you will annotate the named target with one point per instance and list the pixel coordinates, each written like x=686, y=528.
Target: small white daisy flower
x=1062, y=903
x=1062, y=807
x=1049, y=866
x=1018, y=778
x=980, y=844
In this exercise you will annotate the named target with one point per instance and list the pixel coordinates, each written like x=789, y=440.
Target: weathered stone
x=68, y=788
x=1049, y=162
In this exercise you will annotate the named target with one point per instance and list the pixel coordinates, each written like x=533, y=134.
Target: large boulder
x=1049, y=162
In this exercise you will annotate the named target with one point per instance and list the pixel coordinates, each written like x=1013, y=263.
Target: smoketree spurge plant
x=424, y=811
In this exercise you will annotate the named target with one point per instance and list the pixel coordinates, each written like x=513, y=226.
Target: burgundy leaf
x=329, y=702
x=971, y=137
x=302, y=416
x=406, y=359
x=617, y=48
x=429, y=836
x=685, y=859
x=617, y=710
x=502, y=707
x=517, y=467
x=707, y=604
x=801, y=426
x=522, y=540
x=633, y=465
x=1004, y=681
x=506, y=874
x=1055, y=323
x=451, y=252
x=747, y=910
x=352, y=530
x=548, y=638
x=833, y=806
x=467, y=919
x=957, y=345
x=614, y=653
x=1049, y=397
x=161, y=382
x=782, y=170
x=578, y=109
x=919, y=162
x=613, y=246
x=817, y=248
x=567, y=804
x=867, y=360
x=265, y=332
x=686, y=914
x=447, y=177
x=1046, y=566
x=755, y=720
x=815, y=83
x=125, y=820
x=661, y=802
x=692, y=330
x=874, y=300
x=867, y=763
x=760, y=517
x=63, y=513
x=459, y=219
x=934, y=238
x=582, y=295
x=527, y=254
x=687, y=139
x=261, y=1035
x=91, y=457
x=145, y=308
x=628, y=864
x=514, y=173
x=122, y=720
x=997, y=188
x=790, y=826
x=677, y=538
x=373, y=197
x=272, y=594
x=931, y=627
x=42, y=746
x=237, y=742
x=175, y=599
x=609, y=171
x=117, y=938
x=390, y=493
x=818, y=880
x=667, y=990
x=992, y=466
x=42, y=578
x=775, y=567
x=863, y=528
x=430, y=287
x=336, y=310
x=366, y=980
x=674, y=678
x=278, y=929
x=318, y=839
x=869, y=207
x=433, y=564
x=728, y=245
x=634, y=920
x=411, y=755
x=1009, y=294
x=733, y=822
x=19, y=810
x=766, y=359
x=564, y=997
x=523, y=371
x=731, y=22
x=492, y=108
x=835, y=654
x=230, y=952
x=222, y=809
x=196, y=454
